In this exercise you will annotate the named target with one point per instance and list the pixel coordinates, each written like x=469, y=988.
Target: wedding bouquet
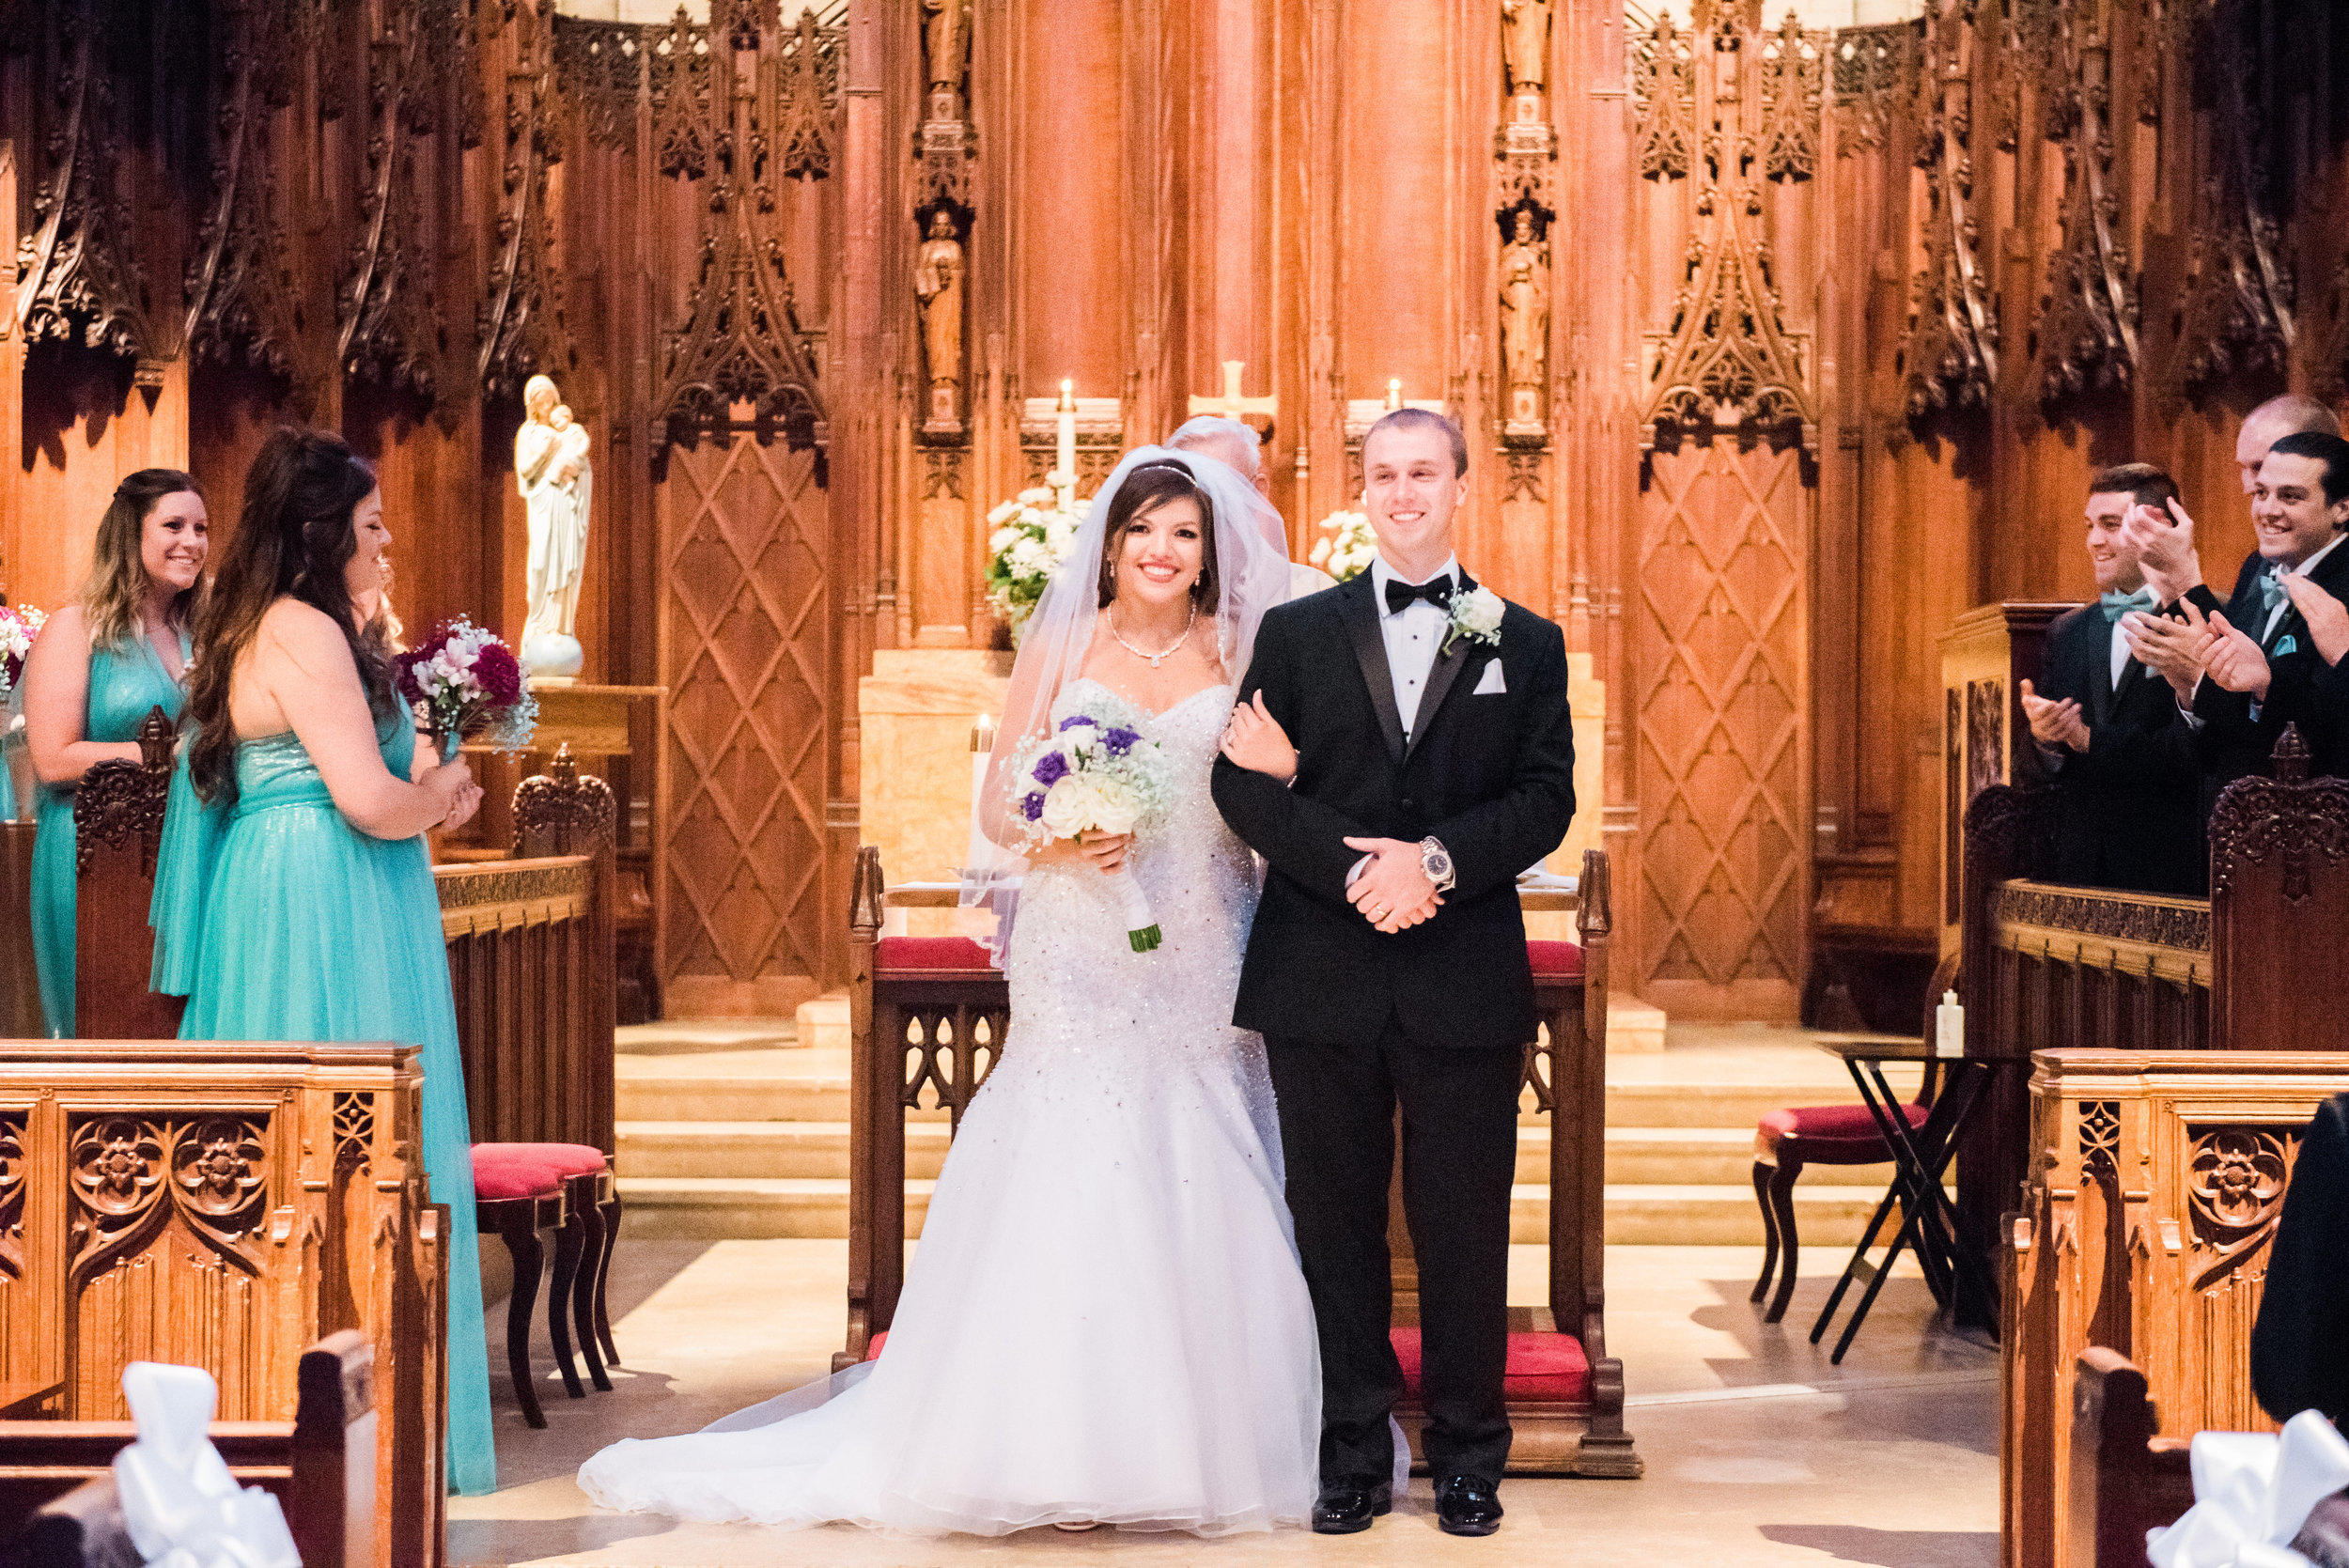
x=470, y=684
x=17, y=628
x=1348, y=550
x=1091, y=776
x=1031, y=535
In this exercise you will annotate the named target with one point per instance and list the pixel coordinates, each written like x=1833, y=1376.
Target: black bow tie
x=1401, y=595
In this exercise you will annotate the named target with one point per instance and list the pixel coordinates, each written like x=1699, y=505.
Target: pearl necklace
x=1145, y=653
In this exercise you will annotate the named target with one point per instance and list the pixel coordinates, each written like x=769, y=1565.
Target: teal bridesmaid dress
x=124, y=682
x=278, y=920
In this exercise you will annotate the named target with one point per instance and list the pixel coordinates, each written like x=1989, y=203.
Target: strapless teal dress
x=124, y=682
x=278, y=920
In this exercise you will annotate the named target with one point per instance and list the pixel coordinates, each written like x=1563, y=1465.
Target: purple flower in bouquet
x=1032, y=807
x=1096, y=778
x=1117, y=742
x=469, y=687
x=1050, y=768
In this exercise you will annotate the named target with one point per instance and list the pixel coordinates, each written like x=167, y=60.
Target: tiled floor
x=1758, y=1452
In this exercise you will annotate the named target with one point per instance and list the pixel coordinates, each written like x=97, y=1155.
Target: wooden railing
x=224, y=1205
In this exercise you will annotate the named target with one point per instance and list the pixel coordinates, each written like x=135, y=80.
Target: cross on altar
x=1231, y=405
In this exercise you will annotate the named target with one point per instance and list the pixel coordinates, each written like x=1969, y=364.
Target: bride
x=1104, y=1322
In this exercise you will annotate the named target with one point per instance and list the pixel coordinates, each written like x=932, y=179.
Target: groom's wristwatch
x=1435, y=861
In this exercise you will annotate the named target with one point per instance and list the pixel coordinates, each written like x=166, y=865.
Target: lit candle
x=1395, y=392
x=1065, y=458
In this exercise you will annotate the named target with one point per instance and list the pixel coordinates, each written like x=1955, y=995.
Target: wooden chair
x=927, y=1015
x=515, y=1198
x=1784, y=1141
x=58, y=1500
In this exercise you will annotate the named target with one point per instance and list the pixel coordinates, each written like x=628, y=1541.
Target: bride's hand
x=1254, y=740
x=1104, y=852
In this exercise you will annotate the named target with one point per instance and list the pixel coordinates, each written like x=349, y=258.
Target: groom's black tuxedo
x=1491, y=774
x=1433, y=1019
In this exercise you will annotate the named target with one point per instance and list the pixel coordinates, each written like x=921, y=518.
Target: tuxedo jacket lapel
x=1370, y=651
x=1451, y=655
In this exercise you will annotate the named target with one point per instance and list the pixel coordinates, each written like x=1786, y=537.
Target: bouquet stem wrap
x=1142, y=926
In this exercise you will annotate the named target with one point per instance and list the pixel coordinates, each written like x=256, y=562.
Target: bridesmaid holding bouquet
x=90, y=677
x=293, y=894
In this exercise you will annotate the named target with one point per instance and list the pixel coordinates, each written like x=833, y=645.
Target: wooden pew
x=2144, y=1230
x=118, y=824
x=925, y=1021
x=19, y=976
x=226, y=1205
x=57, y=1498
x=2125, y=1480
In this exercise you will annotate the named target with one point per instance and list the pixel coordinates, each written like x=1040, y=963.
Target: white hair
x=1214, y=434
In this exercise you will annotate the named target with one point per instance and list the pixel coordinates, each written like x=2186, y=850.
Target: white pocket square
x=1492, y=684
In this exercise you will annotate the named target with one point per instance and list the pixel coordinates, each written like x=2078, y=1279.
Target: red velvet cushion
x=498, y=1173
x=1831, y=1134
x=568, y=1160
x=1543, y=1367
x=901, y=954
x=872, y=1346
x=1555, y=958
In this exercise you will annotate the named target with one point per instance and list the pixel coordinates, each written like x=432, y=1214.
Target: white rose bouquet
x=1030, y=536
x=1088, y=776
x=1349, y=547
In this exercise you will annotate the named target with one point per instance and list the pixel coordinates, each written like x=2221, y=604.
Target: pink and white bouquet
x=1089, y=776
x=470, y=686
x=17, y=628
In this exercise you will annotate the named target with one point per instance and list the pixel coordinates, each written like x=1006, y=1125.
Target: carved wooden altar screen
x=1727, y=140
x=2145, y=1227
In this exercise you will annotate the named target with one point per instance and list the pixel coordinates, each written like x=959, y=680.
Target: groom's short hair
x=1423, y=419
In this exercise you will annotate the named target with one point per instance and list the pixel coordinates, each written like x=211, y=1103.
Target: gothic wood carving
x=601, y=70
x=12, y=1194
x=2114, y=917
x=1876, y=80
x=1663, y=97
x=2256, y=818
x=741, y=342
x=1794, y=63
x=1951, y=350
x=562, y=813
x=521, y=326
x=120, y=804
x=2085, y=334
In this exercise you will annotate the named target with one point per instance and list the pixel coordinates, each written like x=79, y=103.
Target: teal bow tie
x=2116, y=605
x=2272, y=590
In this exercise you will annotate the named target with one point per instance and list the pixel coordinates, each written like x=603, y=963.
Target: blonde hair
x=114, y=596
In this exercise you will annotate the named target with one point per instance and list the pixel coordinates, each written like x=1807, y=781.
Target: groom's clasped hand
x=1391, y=888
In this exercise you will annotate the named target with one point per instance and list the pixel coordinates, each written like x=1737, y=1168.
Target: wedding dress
x=1105, y=1320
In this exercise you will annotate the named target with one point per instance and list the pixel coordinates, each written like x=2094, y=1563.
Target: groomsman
x=2109, y=730
x=1231, y=443
x=2244, y=671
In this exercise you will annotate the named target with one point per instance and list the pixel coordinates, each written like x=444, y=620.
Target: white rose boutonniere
x=1475, y=616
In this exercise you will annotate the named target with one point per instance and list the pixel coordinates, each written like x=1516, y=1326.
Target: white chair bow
x=2252, y=1492
x=182, y=1507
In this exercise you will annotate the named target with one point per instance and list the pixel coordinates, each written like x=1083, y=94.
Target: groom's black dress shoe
x=1347, y=1508
x=1465, y=1505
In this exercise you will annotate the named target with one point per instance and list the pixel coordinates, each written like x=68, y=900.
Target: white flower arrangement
x=17, y=628
x=1091, y=776
x=1029, y=538
x=1349, y=547
x=1475, y=616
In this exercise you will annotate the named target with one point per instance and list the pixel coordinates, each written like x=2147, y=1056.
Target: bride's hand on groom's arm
x=1393, y=892
x=1254, y=739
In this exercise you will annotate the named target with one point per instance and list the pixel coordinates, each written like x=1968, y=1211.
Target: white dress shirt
x=1412, y=637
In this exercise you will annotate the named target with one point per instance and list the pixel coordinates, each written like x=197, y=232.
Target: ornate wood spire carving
x=2085, y=334
x=521, y=327
x=78, y=271
x=2236, y=310
x=1663, y=97
x=1793, y=66
x=1875, y=78
x=741, y=342
x=1951, y=349
x=241, y=291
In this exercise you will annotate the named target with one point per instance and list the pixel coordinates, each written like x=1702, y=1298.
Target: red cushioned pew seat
x=919, y=958
x=1555, y=960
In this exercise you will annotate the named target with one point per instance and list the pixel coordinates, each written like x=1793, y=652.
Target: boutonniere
x=1475, y=616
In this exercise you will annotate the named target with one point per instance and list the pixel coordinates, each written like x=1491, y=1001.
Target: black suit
x=1433, y=1018
x=2235, y=741
x=2300, y=1342
x=2130, y=805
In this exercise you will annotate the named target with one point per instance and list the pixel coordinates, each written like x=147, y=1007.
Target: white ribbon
x=2252, y=1492
x=183, y=1508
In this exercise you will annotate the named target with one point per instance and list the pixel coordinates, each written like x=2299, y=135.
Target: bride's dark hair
x=1149, y=487
x=292, y=540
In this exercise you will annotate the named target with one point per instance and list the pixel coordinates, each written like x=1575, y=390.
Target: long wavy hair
x=292, y=540
x=114, y=597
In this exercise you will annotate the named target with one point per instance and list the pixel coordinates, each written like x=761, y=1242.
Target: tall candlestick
x=1065, y=459
x=1394, y=392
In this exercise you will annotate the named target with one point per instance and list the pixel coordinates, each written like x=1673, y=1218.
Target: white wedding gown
x=1105, y=1320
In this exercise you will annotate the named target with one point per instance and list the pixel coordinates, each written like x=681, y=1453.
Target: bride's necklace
x=1145, y=653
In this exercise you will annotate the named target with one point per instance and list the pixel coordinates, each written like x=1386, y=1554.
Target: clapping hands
x=2053, y=723
x=2327, y=618
x=2163, y=542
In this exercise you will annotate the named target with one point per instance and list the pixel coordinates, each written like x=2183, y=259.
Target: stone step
x=812, y=1085
x=790, y=1150
x=741, y=1207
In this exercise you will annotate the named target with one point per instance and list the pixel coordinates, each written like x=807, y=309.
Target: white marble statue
x=557, y=484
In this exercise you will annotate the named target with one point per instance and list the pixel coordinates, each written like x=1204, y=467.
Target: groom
x=1388, y=965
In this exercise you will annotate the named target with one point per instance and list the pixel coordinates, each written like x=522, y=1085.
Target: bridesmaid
x=297, y=902
x=94, y=672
